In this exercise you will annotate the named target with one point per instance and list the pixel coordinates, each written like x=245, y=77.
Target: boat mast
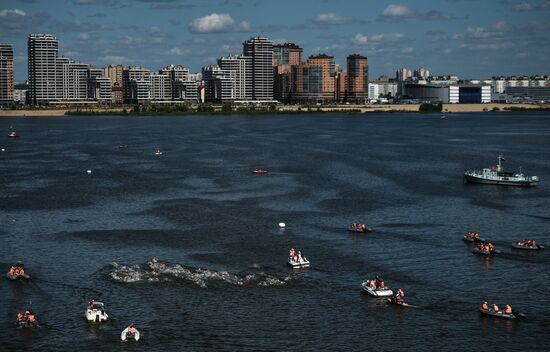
x=499, y=166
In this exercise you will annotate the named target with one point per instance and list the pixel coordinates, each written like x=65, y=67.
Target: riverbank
x=284, y=109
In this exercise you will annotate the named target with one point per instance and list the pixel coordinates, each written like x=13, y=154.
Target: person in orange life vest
x=495, y=308
x=485, y=306
x=19, y=317
x=132, y=329
x=508, y=309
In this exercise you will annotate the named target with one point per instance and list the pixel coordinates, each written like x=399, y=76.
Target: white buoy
x=3, y=149
x=89, y=172
x=282, y=225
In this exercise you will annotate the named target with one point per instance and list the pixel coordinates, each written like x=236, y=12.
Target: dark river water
x=187, y=246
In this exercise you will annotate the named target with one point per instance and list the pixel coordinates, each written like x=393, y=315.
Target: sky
x=468, y=38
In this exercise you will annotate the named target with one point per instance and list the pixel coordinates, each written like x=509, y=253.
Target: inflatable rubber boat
x=401, y=303
x=527, y=247
x=480, y=252
x=96, y=313
x=376, y=292
x=18, y=277
x=125, y=335
x=359, y=229
x=472, y=240
x=301, y=263
x=498, y=314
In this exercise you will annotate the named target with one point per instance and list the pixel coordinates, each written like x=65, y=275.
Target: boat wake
x=158, y=271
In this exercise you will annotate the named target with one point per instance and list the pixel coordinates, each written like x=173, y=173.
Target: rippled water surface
x=187, y=246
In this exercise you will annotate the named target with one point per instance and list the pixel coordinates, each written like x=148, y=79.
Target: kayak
x=17, y=277
x=96, y=314
x=472, y=240
x=499, y=314
x=377, y=292
x=355, y=229
x=124, y=335
x=532, y=248
x=304, y=263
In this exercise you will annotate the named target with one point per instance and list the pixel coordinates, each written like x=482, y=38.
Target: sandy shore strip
x=447, y=108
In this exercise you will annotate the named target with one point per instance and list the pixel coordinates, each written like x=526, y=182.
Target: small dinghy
x=126, y=334
x=499, y=314
x=527, y=245
x=18, y=277
x=260, y=171
x=359, y=228
x=122, y=146
x=13, y=135
x=472, y=237
x=376, y=292
x=158, y=152
x=297, y=264
x=26, y=325
x=485, y=253
x=95, y=313
x=400, y=303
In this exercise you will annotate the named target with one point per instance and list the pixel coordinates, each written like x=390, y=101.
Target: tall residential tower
x=261, y=51
x=358, y=78
x=6, y=74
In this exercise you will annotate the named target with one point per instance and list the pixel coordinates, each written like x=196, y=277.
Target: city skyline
x=459, y=37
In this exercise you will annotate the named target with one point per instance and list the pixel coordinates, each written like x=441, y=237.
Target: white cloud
x=176, y=52
x=244, y=26
x=83, y=36
x=523, y=6
x=115, y=59
x=330, y=19
x=360, y=39
x=213, y=23
x=408, y=50
x=14, y=12
x=154, y=30
x=397, y=12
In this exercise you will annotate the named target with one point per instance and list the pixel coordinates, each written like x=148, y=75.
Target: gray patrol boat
x=495, y=175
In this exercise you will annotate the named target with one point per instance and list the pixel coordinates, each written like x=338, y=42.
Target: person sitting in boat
x=372, y=284
x=300, y=256
x=496, y=309
x=20, y=317
x=491, y=247
x=132, y=330
x=485, y=306
x=291, y=253
x=508, y=309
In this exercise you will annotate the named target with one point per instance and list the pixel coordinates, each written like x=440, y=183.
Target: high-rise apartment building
x=287, y=54
x=175, y=74
x=6, y=74
x=241, y=66
x=114, y=73
x=135, y=84
x=422, y=73
x=219, y=85
x=261, y=51
x=358, y=78
x=314, y=80
x=45, y=78
x=402, y=74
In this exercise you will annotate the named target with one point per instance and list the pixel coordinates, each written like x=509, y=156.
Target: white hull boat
x=97, y=314
x=376, y=292
x=302, y=263
x=124, y=335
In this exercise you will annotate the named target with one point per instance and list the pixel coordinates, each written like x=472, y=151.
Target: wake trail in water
x=158, y=271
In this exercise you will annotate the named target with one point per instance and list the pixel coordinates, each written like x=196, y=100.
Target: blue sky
x=470, y=38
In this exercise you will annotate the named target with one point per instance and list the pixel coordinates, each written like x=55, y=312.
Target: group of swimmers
x=486, y=248
x=296, y=256
x=17, y=270
x=27, y=319
x=362, y=227
x=496, y=309
x=530, y=243
x=472, y=235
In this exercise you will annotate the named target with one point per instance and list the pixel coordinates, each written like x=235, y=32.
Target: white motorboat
x=125, y=335
x=376, y=292
x=96, y=313
x=300, y=263
x=158, y=152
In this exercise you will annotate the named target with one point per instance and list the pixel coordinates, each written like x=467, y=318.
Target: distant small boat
x=122, y=146
x=498, y=314
x=527, y=246
x=158, y=152
x=13, y=135
x=443, y=116
x=260, y=171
